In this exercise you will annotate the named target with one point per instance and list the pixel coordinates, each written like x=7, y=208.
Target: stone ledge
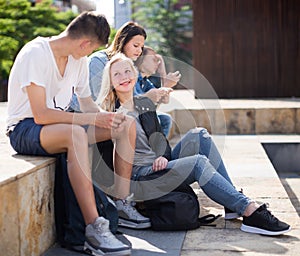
x=27, y=224
x=233, y=116
x=12, y=165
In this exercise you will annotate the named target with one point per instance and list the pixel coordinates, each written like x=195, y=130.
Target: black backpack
x=176, y=210
x=70, y=226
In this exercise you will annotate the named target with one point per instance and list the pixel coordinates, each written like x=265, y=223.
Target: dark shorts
x=25, y=138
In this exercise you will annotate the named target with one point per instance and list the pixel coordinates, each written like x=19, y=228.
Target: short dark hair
x=90, y=24
x=124, y=35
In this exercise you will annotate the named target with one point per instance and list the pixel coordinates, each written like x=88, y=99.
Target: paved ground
x=250, y=169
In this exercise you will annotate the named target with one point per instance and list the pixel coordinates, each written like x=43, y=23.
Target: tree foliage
x=167, y=23
x=20, y=22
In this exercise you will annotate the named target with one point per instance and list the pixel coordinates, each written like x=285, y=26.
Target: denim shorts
x=25, y=138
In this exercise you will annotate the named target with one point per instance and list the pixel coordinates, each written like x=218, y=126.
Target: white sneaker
x=129, y=217
x=100, y=240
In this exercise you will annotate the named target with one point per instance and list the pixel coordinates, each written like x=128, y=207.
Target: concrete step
x=233, y=116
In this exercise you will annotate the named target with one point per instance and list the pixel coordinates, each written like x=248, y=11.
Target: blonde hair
x=107, y=97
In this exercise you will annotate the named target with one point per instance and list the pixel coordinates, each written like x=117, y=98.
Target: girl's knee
x=202, y=160
x=201, y=131
x=205, y=170
x=197, y=134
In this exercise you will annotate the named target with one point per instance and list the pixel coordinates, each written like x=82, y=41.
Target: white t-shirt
x=36, y=63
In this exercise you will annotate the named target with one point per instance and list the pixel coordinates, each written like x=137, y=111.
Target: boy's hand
x=110, y=120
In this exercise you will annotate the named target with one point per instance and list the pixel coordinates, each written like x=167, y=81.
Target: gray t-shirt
x=144, y=155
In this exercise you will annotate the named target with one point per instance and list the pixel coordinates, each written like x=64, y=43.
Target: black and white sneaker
x=100, y=240
x=129, y=217
x=263, y=222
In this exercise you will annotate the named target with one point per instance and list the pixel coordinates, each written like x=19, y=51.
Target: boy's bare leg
x=123, y=156
x=59, y=138
x=73, y=139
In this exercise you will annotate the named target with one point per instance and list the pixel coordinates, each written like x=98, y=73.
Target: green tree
x=20, y=22
x=167, y=23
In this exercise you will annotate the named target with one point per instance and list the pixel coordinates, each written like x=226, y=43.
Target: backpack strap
x=208, y=219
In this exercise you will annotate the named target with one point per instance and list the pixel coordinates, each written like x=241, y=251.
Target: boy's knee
x=130, y=123
x=78, y=132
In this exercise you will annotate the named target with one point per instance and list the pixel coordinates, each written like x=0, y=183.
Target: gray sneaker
x=100, y=240
x=129, y=217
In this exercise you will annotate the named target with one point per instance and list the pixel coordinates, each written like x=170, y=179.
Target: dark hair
x=90, y=24
x=123, y=36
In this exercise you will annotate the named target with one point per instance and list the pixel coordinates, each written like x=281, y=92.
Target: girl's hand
x=166, y=97
x=159, y=95
x=155, y=95
x=159, y=164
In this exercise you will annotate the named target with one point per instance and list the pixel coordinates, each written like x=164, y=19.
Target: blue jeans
x=165, y=121
x=196, y=158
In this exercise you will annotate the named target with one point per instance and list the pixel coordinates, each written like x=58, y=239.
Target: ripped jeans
x=197, y=159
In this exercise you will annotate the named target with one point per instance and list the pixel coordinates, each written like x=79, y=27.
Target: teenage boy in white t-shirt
x=40, y=87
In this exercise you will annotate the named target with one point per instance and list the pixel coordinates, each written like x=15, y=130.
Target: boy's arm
x=168, y=80
x=87, y=105
x=44, y=115
x=161, y=70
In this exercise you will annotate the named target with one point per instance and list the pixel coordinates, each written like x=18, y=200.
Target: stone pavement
x=250, y=169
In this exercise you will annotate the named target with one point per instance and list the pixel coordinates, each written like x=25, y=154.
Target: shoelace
x=130, y=209
x=267, y=214
x=129, y=199
x=104, y=230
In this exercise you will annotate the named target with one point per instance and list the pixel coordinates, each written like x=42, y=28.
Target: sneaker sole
x=254, y=230
x=97, y=252
x=130, y=224
x=231, y=216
